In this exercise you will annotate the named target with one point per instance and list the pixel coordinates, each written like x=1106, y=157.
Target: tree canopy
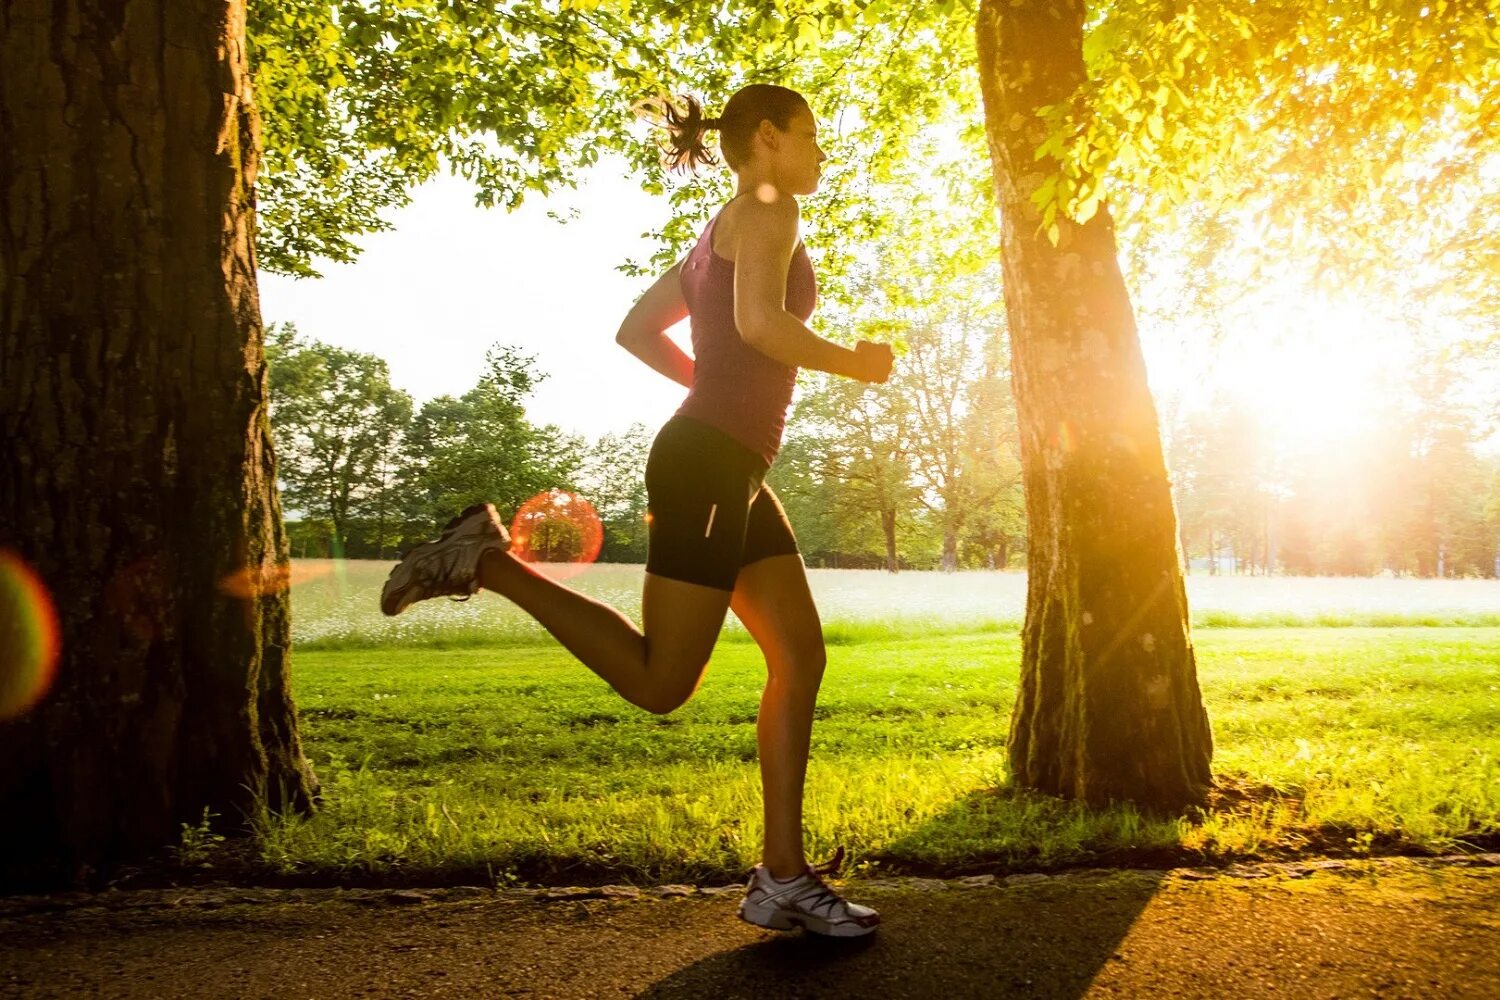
x=1317, y=123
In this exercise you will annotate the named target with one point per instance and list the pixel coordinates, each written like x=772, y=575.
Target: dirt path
x=1387, y=928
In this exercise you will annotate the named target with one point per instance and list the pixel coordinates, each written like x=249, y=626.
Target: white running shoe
x=805, y=901
x=448, y=566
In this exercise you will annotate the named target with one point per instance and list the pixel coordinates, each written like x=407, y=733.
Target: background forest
x=921, y=473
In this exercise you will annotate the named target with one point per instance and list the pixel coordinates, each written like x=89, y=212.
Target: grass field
x=503, y=759
x=334, y=605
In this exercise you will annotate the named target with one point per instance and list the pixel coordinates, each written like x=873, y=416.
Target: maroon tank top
x=737, y=389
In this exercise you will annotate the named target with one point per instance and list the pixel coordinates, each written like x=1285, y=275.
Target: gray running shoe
x=805, y=901
x=449, y=566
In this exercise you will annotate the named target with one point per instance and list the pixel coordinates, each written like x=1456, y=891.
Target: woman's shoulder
x=765, y=221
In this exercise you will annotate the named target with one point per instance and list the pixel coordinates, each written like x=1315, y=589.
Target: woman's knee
x=800, y=668
x=671, y=691
x=663, y=702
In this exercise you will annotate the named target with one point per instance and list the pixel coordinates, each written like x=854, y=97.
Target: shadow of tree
x=1023, y=831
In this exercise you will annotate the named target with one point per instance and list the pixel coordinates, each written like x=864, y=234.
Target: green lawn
x=515, y=762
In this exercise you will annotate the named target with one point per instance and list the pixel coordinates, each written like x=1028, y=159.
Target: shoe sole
x=391, y=592
x=780, y=920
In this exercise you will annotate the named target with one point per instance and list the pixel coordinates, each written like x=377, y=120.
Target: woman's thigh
x=773, y=599
x=768, y=532
x=681, y=622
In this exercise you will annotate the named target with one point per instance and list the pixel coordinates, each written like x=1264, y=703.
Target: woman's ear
x=769, y=134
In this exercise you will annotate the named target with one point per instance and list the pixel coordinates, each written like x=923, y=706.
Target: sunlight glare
x=1315, y=372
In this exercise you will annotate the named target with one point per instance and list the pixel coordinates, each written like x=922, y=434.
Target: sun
x=1316, y=371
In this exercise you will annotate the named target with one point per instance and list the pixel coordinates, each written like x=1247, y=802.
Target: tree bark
x=139, y=478
x=888, y=529
x=1108, y=707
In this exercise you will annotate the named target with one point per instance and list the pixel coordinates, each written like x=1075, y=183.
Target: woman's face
x=799, y=158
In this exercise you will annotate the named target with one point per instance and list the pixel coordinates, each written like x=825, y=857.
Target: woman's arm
x=764, y=240
x=643, y=331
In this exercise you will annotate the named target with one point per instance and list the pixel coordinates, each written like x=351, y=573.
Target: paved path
x=1388, y=928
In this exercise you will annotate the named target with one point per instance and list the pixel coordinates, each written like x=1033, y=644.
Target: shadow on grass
x=1006, y=830
x=999, y=831
x=1032, y=939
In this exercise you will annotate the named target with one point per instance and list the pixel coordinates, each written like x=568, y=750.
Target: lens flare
x=29, y=637
x=340, y=564
x=557, y=528
x=258, y=581
x=1063, y=438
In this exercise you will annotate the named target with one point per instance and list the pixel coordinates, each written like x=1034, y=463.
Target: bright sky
x=431, y=295
x=450, y=279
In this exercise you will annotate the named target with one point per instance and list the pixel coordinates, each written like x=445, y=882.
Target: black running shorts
x=709, y=510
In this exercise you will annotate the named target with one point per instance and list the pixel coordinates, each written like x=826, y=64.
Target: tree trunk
x=949, y=563
x=1270, y=543
x=380, y=519
x=1108, y=706
x=139, y=479
x=888, y=528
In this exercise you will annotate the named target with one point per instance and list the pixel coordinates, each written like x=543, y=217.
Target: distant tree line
x=1412, y=496
x=365, y=474
x=924, y=471
x=920, y=473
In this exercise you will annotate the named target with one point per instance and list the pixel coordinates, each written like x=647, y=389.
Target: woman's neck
x=758, y=182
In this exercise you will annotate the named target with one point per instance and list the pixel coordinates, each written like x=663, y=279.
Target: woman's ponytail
x=683, y=149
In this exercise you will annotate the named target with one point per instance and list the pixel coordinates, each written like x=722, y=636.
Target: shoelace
x=817, y=893
x=437, y=572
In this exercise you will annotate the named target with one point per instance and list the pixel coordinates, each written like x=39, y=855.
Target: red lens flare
x=258, y=581
x=29, y=637
x=558, y=529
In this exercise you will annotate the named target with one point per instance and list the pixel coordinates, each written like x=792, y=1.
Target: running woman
x=718, y=536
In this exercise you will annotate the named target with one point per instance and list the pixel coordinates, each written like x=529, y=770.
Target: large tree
x=139, y=478
x=1314, y=125
x=1108, y=705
